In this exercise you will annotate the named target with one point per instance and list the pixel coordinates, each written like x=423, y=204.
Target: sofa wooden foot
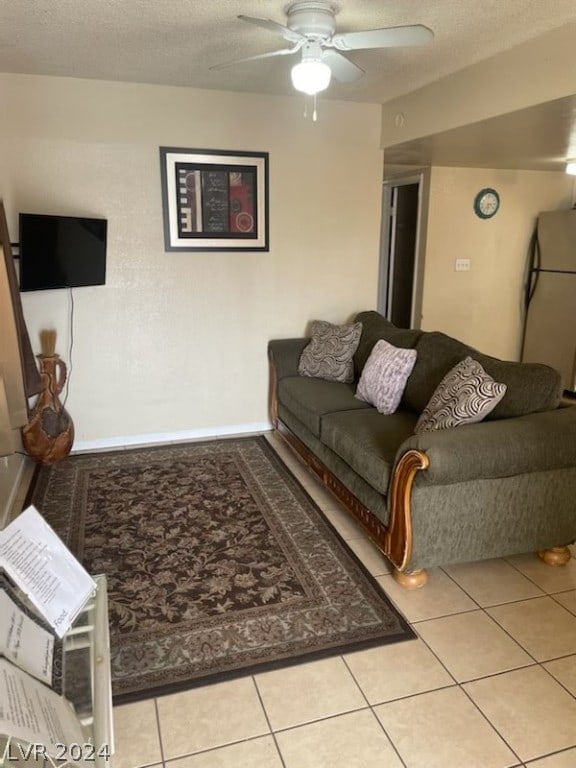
x=555, y=556
x=411, y=579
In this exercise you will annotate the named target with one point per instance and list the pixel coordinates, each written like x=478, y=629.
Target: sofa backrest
x=531, y=387
x=376, y=327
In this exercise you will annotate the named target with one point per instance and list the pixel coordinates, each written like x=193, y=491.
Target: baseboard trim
x=160, y=438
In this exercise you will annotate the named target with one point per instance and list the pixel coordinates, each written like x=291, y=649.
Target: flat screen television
x=61, y=251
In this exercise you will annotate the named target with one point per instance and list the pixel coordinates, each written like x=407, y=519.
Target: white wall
x=483, y=307
x=175, y=343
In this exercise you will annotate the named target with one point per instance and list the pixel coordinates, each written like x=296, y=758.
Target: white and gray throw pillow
x=384, y=376
x=329, y=353
x=464, y=396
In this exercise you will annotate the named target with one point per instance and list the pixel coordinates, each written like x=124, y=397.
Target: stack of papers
x=45, y=570
x=57, y=586
x=34, y=714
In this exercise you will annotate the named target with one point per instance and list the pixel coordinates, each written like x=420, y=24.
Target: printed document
x=32, y=713
x=26, y=641
x=44, y=569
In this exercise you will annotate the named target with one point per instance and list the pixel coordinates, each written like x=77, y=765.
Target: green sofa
x=503, y=486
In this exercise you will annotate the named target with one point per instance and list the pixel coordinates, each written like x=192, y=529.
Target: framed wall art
x=214, y=200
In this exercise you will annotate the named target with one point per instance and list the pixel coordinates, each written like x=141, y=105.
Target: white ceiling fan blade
x=274, y=26
x=342, y=68
x=281, y=52
x=390, y=37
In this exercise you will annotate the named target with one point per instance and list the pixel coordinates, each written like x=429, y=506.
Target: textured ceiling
x=176, y=41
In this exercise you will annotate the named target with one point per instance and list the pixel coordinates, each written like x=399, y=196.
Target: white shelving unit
x=86, y=682
x=91, y=690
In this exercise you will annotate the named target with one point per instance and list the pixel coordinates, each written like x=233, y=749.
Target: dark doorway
x=402, y=264
x=404, y=214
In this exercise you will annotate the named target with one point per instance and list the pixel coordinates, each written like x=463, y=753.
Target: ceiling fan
x=311, y=30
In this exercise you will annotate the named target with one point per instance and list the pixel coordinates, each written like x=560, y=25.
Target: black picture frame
x=214, y=200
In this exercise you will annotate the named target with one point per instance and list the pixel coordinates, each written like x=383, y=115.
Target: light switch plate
x=462, y=265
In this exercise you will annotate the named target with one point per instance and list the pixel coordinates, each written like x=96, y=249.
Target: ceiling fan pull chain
x=305, y=107
x=314, y=113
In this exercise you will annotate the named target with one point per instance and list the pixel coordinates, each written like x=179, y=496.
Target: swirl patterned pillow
x=464, y=396
x=329, y=353
x=384, y=376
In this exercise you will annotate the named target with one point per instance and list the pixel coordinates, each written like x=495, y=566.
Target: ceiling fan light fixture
x=311, y=76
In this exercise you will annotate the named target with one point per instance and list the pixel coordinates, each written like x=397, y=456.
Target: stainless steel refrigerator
x=550, y=297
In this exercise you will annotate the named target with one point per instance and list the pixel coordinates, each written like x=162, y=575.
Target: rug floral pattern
x=217, y=562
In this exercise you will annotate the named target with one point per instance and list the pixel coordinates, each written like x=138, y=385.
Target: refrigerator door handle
x=538, y=261
x=531, y=287
x=533, y=270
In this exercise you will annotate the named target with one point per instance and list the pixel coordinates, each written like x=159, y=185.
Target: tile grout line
x=320, y=719
x=559, y=682
x=499, y=674
x=456, y=685
x=537, y=662
x=216, y=748
x=272, y=732
x=564, y=592
x=491, y=724
x=373, y=713
x=158, y=725
x=548, y=594
x=460, y=686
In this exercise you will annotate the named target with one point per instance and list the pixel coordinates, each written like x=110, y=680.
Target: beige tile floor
x=490, y=682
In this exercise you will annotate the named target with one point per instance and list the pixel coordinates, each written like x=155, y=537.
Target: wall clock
x=486, y=203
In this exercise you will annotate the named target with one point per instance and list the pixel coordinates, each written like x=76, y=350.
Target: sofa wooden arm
x=399, y=536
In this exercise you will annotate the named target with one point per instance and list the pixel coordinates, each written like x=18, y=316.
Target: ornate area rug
x=218, y=563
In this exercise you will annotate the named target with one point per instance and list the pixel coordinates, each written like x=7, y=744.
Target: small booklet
x=44, y=569
x=27, y=641
x=32, y=713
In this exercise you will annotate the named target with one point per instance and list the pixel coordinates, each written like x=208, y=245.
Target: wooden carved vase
x=49, y=434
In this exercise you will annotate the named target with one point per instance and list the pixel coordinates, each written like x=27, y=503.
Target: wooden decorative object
x=411, y=579
x=555, y=556
x=400, y=531
x=48, y=342
x=49, y=434
x=272, y=398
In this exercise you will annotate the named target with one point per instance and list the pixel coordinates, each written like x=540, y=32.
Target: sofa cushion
x=375, y=327
x=309, y=399
x=466, y=395
x=330, y=350
x=368, y=441
x=530, y=387
x=384, y=376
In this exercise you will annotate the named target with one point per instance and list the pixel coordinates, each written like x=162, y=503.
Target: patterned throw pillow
x=384, y=376
x=330, y=351
x=464, y=396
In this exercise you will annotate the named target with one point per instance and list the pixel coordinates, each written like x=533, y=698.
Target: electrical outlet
x=462, y=265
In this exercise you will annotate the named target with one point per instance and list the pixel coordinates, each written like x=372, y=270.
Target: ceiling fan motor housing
x=312, y=18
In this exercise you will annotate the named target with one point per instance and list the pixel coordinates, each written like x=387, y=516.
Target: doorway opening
x=401, y=274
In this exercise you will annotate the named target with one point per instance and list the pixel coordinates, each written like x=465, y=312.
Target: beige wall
x=175, y=343
x=483, y=307
x=542, y=69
